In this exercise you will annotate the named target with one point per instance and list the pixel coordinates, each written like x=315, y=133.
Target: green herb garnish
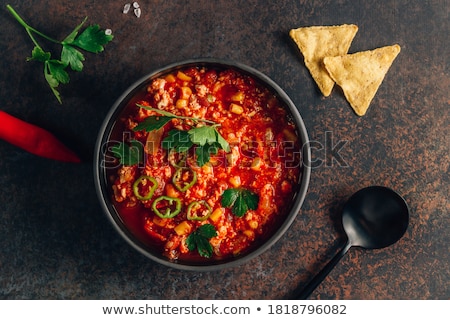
x=92, y=39
x=129, y=155
x=177, y=140
x=206, y=139
x=152, y=123
x=240, y=200
x=200, y=239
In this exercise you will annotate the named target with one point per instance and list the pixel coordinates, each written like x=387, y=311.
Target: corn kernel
x=235, y=181
x=253, y=224
x=183, y=76
x=207, y=168
x=249, y=234
x=216, y=214
x=182, y=103
x=185, y=93
x=170, y=78
x=183, y=228
x=236, y=109
x=238, y=97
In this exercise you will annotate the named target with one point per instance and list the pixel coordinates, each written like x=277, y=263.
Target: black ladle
x=373, y=218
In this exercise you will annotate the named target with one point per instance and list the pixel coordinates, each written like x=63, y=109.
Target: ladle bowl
x=373, y=218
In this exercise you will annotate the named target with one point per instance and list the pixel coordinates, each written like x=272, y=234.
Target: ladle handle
x=312, y=285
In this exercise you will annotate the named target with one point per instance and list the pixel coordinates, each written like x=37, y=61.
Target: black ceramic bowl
x=104, y=188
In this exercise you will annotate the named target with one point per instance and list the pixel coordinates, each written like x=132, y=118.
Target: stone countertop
x=56, y=243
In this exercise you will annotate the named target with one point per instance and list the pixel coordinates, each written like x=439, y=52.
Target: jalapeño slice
x=141, y=184
x=184, y=178
x=198, y=210
x=166, y=207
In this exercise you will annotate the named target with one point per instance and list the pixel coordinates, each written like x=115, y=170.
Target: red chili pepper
x=34, y=139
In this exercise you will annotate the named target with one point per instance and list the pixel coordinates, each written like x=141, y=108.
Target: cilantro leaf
x=92, y=39
x=152, y=123
x=200, y=239
x=129, y=154
x=177, y=140
x=240, y=200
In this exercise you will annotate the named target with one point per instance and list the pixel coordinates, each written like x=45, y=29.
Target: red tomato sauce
x=263, y=158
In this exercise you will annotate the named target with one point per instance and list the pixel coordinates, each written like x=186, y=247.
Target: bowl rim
x=119, y=105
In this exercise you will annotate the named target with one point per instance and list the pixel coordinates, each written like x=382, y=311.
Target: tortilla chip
x=360, y=74
x=318, y=42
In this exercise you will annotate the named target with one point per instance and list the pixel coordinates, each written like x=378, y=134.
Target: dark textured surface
x=56, y=243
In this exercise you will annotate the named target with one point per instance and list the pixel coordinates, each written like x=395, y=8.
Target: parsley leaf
x=178, y=140
x=203, y=135
x=200, y=239
x=56, y=68
x=71, y=37
x=206, y=139
x=152, y=123
x=208, y=135
x=92, y=39
x=240, y=200
x=129, y=154
x=38, y=54
x=73, y=57
x=204, y=153
x=52, y=81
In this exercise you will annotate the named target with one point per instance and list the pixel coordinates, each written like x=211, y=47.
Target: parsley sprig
x=92, y=39
x=200, y=239
x=240, y=200
x=206, y=139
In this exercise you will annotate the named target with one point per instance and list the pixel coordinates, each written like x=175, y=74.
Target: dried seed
x=137, y=12
x=135, y=5
x=126, y=8
x=108, y=32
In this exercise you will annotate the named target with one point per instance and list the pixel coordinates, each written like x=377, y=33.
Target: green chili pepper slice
x=166, y=207
x=139, y=181
x=198, y=210
x=178, y=159
x=184, y=178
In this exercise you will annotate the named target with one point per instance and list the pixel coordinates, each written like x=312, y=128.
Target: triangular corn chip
x=318, y=42
x=360, y=74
